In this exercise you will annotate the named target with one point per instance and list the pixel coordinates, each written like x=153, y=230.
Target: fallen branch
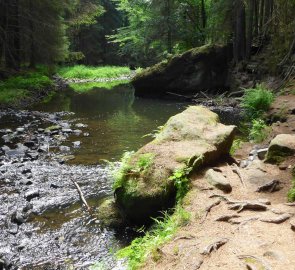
x=82, y=196
x=208, y=209
x=204, y=95
x=214, y=246
x=277, y=220
x=269, y=187
x=238, y=172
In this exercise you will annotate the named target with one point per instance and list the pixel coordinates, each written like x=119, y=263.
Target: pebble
x=31, y=194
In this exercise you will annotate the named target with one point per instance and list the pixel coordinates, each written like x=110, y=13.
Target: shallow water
x=117, y=121
x=58, y=233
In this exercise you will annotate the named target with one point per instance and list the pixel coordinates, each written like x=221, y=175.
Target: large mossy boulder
x=193, y=138
x=200, y=69
x=281, y=147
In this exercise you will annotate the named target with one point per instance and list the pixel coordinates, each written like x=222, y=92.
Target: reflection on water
x=117, y=121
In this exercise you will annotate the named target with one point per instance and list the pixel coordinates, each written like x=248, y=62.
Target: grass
x=162, y=231
x=86, y=87
x=237, y=144
x=89, y=72
x=256, y=101
x=259, y=131
x=19, y=87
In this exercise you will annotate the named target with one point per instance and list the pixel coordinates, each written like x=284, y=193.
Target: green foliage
x=237, y=144
x=89, y=72
x=125, y=167
x=259, y=131
x=144, y=161
x=181, y=182
x=154, y=133
x=256, y=101
x=291, y=194
x=162, y=231
x=18, y=87
x=86, y=87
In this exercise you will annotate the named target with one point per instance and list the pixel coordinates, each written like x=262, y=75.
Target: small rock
x=29, y=144
x=77, y=144
x=25, y=171
x=63, y=148
x=20, y=130
x=33, y=155
x=26, y=182
x=283, y=167
x=217, y=180
x=80, y=125
x=292, y=223
x=77, y=132
x=262, y=153
x=67, y=130
x=31, y=194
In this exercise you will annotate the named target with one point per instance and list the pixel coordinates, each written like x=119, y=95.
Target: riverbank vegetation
x=90, y=72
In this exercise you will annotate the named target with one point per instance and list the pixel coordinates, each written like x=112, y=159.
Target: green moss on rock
x=192, y=139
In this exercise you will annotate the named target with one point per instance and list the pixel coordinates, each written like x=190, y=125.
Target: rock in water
x=199, y=69
x=192, y=138
x=282, y=146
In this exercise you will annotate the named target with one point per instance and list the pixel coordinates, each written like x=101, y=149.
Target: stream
x=68, y=138
x=71, y=137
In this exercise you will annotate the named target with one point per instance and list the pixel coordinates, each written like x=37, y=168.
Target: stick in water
x=81, y=196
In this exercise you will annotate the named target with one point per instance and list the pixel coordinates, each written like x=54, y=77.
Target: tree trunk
x=261, y=16
x=32, y=39
x=169, y=28
x=12, y=50
x=240, y=32
x=251, y=4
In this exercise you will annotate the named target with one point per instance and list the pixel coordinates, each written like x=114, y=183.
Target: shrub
x=256, y=101
x=259, y=131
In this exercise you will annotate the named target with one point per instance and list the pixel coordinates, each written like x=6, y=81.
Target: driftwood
x=204, y=95
x=208, y=209
x=238, y=172
x=82, y=196
x=269, y=187
x=277, y=220
x=227, y=218
x=214, y=246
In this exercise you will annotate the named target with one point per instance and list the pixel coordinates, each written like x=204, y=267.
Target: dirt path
x=243, y=238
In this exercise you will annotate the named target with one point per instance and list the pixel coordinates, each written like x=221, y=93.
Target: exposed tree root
x=248, y=205
x=227, y=218
x=277, y=220
x=256, y=260
x=269, y=187
x=237, y=171
x=208, y=209
x=214, y=246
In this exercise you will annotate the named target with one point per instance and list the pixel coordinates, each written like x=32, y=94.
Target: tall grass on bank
x=256, y=101
x=162, y=231
x=18, y=87
x=85, y=87
x=89, y=72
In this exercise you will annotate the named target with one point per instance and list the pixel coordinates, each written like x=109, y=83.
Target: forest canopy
x=140, y=32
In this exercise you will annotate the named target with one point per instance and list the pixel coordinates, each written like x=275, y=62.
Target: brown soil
x=251, y=243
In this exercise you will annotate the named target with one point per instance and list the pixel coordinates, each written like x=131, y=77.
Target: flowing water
x=57, y=233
